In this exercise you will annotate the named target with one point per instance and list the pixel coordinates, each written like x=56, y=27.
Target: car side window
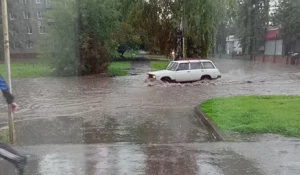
x=196, y=66
x=183, y=66
x=208, y=65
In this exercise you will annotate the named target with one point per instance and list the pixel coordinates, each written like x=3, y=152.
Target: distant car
x=187, y=71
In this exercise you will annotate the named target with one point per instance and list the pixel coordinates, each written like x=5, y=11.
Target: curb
x=215, y=132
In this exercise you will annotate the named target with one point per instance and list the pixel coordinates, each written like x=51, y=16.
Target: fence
x=275, y=59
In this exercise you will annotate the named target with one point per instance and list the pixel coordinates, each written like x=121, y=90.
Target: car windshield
x=172, y=66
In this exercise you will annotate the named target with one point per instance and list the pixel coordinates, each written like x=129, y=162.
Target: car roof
x=191, y=61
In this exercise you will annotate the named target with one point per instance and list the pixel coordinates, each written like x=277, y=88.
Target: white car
x=187, y=71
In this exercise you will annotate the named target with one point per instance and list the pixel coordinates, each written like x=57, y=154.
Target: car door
x=196, y=71
x=183, y=72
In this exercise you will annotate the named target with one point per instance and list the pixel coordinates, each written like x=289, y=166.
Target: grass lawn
x=27, y=70
x=34, y=70
x=118, y=68
x=159, y=65
x=130, y=54
x=256, y=114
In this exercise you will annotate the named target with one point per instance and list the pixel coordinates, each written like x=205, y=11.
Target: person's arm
x=5, y=90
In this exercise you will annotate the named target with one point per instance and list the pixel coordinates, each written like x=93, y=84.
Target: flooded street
x=126, y=125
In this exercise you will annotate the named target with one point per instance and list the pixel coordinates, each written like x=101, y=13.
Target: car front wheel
x=166, y=80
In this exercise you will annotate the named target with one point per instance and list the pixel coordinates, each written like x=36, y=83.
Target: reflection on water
x=165, y=126
x=57, y=164
x=94, y=133
x=123, y=159
x=170, y=160
x=77, y=112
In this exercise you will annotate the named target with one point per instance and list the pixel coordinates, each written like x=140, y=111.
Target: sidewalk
x=268, y=158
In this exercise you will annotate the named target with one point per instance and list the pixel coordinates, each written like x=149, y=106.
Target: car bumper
x=151, y=79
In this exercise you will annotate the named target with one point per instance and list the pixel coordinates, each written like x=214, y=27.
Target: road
x=124, y=125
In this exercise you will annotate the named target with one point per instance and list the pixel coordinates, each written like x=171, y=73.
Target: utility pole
x=183, y=36
x=78, y=34
x=275, y=49
x=7, y=65
x=183, y=40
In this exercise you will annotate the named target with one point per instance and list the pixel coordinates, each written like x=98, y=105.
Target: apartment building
x=27, y=24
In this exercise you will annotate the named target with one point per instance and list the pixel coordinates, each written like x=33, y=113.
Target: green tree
x=97, y=21
x=78, y=42
x=152, y=21
x=253, y=21
x=59, y=46
x=203, y=18
x=87, y=32
x=158, y=21
x=226, y=27
x=287, y=17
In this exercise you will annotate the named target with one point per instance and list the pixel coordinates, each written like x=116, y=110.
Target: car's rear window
x=208, y=65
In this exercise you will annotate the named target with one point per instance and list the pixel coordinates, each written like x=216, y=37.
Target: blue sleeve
x=3, y=85
x=5, y=90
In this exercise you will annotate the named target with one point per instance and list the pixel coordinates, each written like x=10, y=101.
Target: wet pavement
x=126, y=125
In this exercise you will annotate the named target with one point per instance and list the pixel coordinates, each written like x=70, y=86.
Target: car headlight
x=151, y=76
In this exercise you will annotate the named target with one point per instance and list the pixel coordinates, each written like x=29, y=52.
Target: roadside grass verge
x=159, y=65
x=118, y=68
x=27, y=70
x=130, y=54
x=256, y=114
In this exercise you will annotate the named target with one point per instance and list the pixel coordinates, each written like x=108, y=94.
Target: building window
x=38, y=1
x=24, y=1
x=42, y=30
x=40, y=15
x=26, y=15
x=15, y=45
x=12, y=16
x=29, y=30
x=29, y=45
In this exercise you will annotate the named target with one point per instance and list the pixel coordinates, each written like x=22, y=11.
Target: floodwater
x=126, y=125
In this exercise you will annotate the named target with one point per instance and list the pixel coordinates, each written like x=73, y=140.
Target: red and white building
x=273, y=43
x=275, y=49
